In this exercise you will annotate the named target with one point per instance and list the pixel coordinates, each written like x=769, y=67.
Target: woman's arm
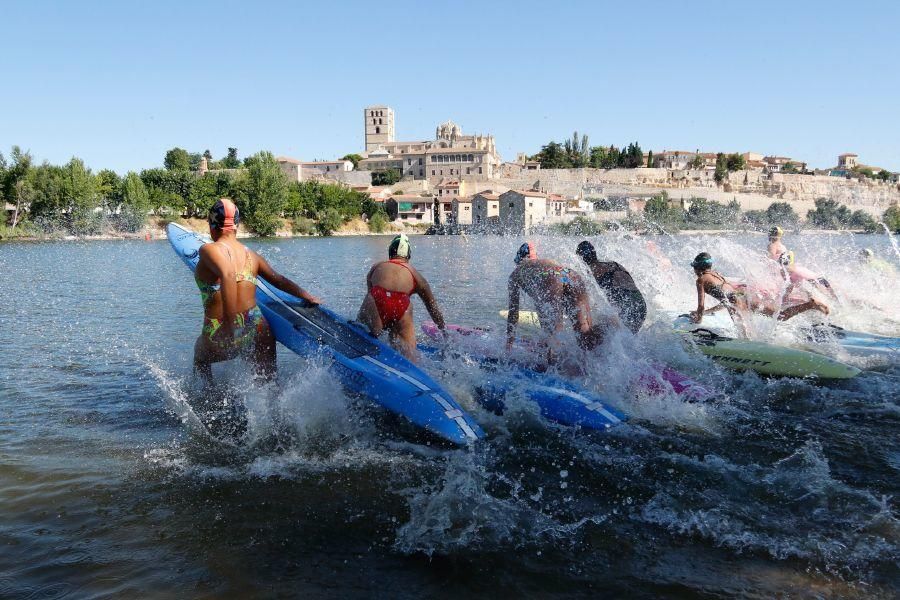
x=431, y=305
x=697, y=316
x=512, y=318
x=281, y=282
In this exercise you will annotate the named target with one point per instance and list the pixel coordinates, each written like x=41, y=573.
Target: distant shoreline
x=160, y=234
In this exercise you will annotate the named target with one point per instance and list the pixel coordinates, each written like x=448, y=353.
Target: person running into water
x=736, y=298
x=558, y=292
x=387, y=306
x=778, y=252
x=226, y=275
x=618, y=286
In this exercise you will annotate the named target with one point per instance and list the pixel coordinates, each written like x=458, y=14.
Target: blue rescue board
x=364, y=365
x=558, y=399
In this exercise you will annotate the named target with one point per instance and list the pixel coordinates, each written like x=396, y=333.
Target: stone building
x=461, y=211
x=521, y=211
x=449, y=154
x=379, y=126
x=485, y=208
x=848, y=161
x=409, y=209
x=298, y=170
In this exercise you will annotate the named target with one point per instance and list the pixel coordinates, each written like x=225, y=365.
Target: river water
x=778, y=486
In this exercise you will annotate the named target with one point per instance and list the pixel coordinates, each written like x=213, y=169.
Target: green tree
x=378, y=221
x=262, y=194
x=231, y=160
x=782, y=214
x=650, y=159
x=135, y=203
x=829, y=214
x=553, y=156
x=860, y=219
x=891, y=218
x=789, y=168
x=207, y=155
x=660, y=212
x=721, y=167
x=328, y=221
x=354, y=158
x=632, y=157
x=388, y=177
x=194, y=160
x=735, y=162
x=697, y=162
x=79, y=198
x=109, y=190
x=177, y=159
x=15, y=186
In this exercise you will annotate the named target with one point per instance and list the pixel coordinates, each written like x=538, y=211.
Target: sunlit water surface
x=108, y=488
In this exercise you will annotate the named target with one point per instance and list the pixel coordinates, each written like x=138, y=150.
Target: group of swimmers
x=233, y=324
x=740, y=299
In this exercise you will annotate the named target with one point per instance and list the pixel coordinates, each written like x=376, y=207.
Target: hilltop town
x=455, y=182
x=459, y=182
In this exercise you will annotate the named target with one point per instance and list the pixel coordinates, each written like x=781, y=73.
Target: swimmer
x=618, y=285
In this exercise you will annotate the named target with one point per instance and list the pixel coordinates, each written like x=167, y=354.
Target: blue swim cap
x=526, y=250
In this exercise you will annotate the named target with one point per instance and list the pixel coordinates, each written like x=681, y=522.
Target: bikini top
x=208, y=290
x=716, y=291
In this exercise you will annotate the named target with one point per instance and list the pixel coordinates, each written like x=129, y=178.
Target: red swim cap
x=224, y=215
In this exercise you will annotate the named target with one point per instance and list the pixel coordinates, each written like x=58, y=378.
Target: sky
x=119, y=83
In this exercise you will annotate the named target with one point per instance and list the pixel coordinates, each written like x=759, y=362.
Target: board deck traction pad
x=313, y=322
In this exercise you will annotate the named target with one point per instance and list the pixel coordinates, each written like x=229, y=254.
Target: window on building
x=468, y=171
x=530, y=204
x=421, y=173
x=479, y=170
x=379, y=121
x=420, y=162
x=408, y=161
x=432, y=171
x=442, y=171
x=378, y=130
x=510, y=204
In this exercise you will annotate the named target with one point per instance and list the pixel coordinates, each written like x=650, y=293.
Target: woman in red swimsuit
x=387, y=304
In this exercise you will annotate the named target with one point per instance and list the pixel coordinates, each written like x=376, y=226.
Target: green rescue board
x=765, y=359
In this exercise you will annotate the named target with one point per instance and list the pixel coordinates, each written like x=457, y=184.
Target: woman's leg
x=403, y=336
x=793, y=311
x=264, y=351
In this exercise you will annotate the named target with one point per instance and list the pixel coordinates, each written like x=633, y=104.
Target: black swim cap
x=702, y=261
x=586, y=251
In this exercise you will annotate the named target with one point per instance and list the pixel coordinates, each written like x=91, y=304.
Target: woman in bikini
x=558, y=293
x=736, y=299
x=387, y=306
x=226, y=276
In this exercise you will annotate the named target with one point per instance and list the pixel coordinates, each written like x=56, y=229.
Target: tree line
x=71, y=198
x=576, y=153
x=701, y=213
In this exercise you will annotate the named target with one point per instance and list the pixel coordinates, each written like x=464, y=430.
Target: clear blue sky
x=118, y=83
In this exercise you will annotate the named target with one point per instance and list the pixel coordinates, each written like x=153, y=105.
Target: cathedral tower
x=379, y=121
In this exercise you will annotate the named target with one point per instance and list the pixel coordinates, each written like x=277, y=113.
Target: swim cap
x=224, y=215
x=786, y=258
x=400, y=247
x=586, y=251
x=526, y=250
x=776, y=232
x=867, y=253
x=702, y=261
